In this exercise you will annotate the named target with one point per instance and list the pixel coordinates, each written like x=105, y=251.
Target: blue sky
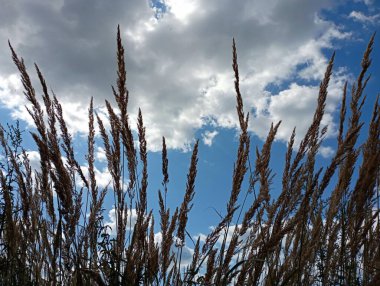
x=178, y=56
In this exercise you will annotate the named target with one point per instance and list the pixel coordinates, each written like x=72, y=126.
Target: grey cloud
x=178, y=73
x=73, y=44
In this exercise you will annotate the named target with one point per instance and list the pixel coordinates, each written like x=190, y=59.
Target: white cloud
x=202, y=237
x=361, y=17
x=187, y=252
x=12, y=98
x=295, y=107
x=230, y=232
x=9, y=85
x=326, y=151
x=100, y=154
x=158, y=237
x=183, y=10
x=75, y=113
x=208, y=137
x=34, y=159
x=179, y=67
x=131, y=217
x=103, y=177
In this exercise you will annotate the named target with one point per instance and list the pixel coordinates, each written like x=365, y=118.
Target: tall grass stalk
x=317, y=231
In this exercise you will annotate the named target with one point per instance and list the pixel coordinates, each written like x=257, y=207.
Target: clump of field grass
x=318, y=231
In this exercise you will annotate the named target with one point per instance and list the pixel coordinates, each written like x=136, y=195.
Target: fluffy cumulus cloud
x=11, y=96
x=187, y=250
x=103, y=177
x=178, y=61
x=131, y=216
x=100, y=154
x=326, y=151
x=208, y=137
x=34, y=160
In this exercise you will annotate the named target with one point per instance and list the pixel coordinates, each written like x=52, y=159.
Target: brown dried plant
x=321, y=229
